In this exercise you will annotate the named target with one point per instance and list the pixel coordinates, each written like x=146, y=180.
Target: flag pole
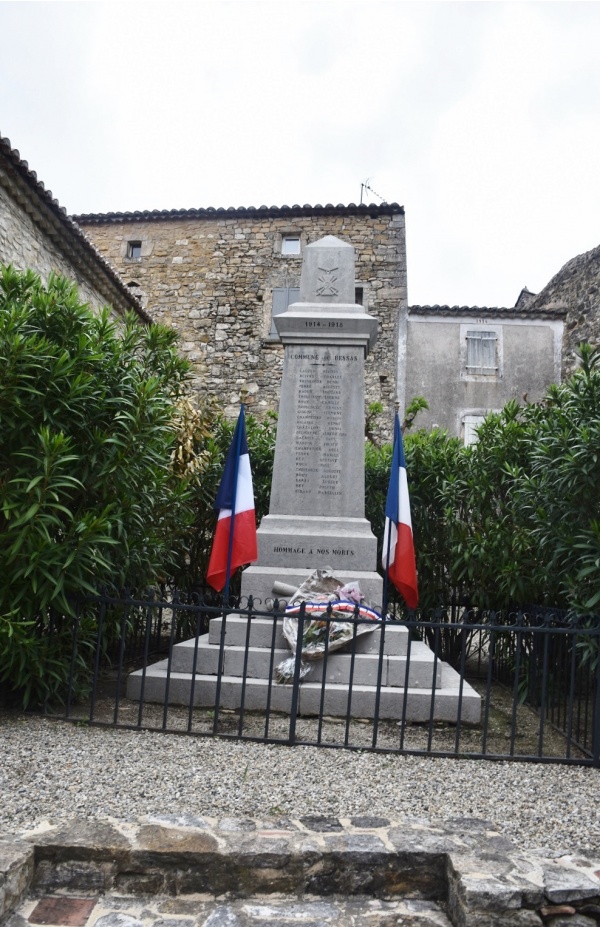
x=238, y=444
x=386, y=572
x=386, y=575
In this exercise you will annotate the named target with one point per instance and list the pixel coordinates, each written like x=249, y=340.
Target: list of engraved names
x=320, y=433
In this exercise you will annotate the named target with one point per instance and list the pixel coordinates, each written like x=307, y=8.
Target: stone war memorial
x=316, y=521
x=317, y=511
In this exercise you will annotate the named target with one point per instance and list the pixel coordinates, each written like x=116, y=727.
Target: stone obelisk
x=317, y=510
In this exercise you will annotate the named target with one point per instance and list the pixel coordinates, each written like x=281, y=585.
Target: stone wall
x=576, y=288
x=211, y=275
x=23, y=244
x=36, y=233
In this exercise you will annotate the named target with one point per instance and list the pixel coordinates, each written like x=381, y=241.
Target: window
x=290, y=244
x=134, y=250
x=470, y=425
x=360, y=294
x=481, y=353
x=283, y=296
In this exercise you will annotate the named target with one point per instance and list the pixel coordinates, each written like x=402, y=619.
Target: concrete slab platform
x=444, y=706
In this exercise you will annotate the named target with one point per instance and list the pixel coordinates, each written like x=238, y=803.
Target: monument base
x=258, y=581
x=307, y=542
x=290, y=547
x=353, y=682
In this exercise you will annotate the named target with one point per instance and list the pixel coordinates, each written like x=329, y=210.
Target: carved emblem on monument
x=327, y=280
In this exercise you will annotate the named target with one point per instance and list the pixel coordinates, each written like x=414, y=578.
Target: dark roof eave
x=373, y=210
x=549, y=312
x=84, y=252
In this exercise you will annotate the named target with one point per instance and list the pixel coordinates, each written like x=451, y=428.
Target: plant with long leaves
x=88, y=495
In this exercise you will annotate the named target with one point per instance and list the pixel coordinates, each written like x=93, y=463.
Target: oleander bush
x=514, y=520
x=88, y=492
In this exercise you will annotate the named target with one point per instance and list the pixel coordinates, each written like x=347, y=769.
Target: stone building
x=473, y=360
x=36, y=233
x=574, y=290
x=468, y=361
x=219, y=276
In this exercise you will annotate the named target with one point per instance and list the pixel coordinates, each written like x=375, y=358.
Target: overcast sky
x=482, y=119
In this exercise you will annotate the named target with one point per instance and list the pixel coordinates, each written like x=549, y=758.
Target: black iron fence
x=468, y=683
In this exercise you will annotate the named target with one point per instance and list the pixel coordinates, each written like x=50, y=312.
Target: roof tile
x=30, y=177
x=208, y=212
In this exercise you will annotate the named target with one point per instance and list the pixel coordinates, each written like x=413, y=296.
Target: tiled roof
x=82, y=252
x=210, y=212
x=492, y=311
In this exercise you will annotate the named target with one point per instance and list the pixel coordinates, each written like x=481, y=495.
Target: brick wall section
x=577, y=288
x=213, y=277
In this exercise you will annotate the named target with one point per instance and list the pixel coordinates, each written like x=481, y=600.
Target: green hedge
x=88, y=495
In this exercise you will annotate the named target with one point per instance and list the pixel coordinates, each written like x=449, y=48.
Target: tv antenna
x=365, y=186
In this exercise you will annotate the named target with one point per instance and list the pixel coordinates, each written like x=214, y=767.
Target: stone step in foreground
x=183, y=870
x=259, y=911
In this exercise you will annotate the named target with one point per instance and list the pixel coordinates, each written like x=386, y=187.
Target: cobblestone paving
x=202, y=911
x=186, y=871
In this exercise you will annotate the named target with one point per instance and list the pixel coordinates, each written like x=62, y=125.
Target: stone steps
x=267, y=632
x=253, y=648
x=258, y=911
x=182, y=870
x=258, y=692
x=339, y=666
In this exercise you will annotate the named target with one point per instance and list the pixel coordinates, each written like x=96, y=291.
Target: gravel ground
x=56, y=772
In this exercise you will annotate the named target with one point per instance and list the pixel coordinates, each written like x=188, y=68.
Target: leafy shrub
x=514, y=519
x=560, y=493
x=492, y=558
x=88, y=495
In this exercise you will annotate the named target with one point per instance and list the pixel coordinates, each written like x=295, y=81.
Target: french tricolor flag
x=234, y=543
x=398, y=547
